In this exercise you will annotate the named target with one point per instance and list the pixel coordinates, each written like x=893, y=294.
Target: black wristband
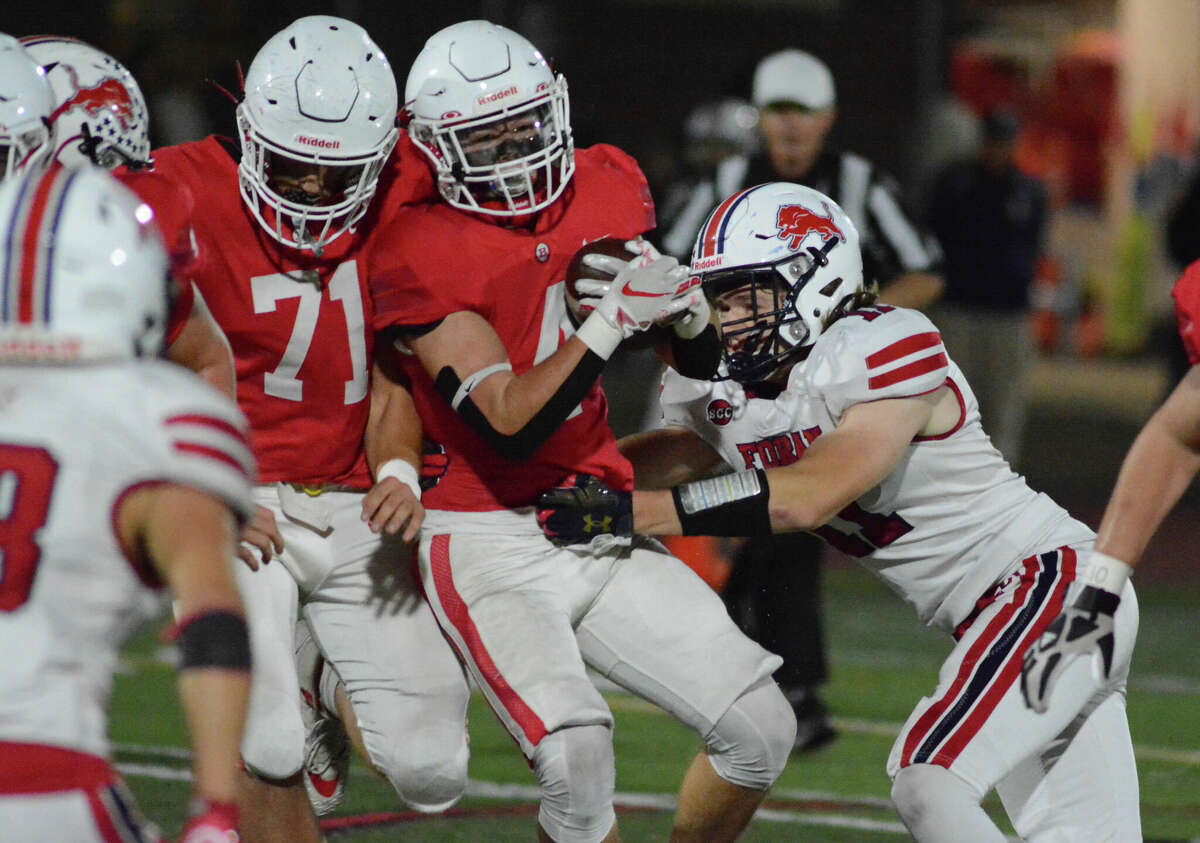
x=728, y=505
x=214, y=639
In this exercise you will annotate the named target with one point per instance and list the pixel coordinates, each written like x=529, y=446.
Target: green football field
x=883, y=661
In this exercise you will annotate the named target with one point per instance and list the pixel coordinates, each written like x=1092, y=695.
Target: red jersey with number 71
x=436, y=260
x=299, y=325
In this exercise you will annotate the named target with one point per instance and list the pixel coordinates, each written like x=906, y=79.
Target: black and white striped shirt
x=892, y=243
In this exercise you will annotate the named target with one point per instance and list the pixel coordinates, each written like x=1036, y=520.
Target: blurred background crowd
x=1107, y=93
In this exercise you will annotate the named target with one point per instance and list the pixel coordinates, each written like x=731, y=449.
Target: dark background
x=634, y=68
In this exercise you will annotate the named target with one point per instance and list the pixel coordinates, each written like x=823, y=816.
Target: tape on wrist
x=403, y=471
x=729, y=505
x=1105, y=572
x=598, y=334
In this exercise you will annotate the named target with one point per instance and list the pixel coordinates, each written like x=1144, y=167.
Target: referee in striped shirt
x=794, y=92
x=774, y=590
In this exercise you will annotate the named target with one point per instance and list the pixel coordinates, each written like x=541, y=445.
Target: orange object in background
x=1044, y=317
x=704, y=555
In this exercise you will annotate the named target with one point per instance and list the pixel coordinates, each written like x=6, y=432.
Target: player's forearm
x=393, y=427
x=515, y=415
x=1154, y=475
x=214, y=704
x=654, y=513
x=666, y=457
x=736, y=504
x=203, y=348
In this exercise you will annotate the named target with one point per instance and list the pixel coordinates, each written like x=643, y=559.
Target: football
x=576, y=270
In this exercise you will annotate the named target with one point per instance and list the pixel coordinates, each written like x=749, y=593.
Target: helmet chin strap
x=304, y=240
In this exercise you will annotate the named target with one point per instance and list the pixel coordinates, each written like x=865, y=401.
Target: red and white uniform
x=958, y=536
x=68, y=593
x=300, y=330
x=520, y=610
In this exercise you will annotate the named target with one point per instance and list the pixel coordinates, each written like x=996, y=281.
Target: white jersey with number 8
x=73, y=442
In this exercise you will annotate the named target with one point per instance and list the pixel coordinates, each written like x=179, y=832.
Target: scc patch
x=720, y=411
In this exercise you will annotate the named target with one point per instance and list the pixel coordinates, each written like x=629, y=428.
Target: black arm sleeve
x=522, y=445
x=698, y=357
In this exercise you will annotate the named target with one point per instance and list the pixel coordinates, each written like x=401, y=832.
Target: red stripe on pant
x=456, y=612
x=1012, y=666
x=962, y=733
x=104, y=820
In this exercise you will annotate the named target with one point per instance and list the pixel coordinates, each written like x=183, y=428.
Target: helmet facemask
x=21, y=149
x=507, y=163
x=776, y=331
x=273, y=175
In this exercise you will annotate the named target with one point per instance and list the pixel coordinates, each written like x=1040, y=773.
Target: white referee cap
x=793, y=76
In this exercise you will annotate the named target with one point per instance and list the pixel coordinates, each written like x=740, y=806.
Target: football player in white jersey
x=94, y=517
x=26, y=106
x=98, y=115
x=845, y=417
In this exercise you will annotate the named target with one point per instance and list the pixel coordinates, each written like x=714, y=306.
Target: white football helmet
x=83, y=271
x=493, y=117
x=100, y=114
x=798, y=253
x=320, y=98
x=26, y=104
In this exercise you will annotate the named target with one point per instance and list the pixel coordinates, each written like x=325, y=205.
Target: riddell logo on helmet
x=708, y=263
x=319, y=143
x=488, y=99
x=796, y=222
x=720, y=412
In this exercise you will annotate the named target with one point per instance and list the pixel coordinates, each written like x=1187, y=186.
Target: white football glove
x=640, y=295
x=1084, y=627
x=590, y=290
x=688, y=323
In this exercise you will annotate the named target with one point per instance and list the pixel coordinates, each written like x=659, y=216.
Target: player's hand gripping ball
x=580, y=304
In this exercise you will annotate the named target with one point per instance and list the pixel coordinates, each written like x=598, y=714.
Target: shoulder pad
x=612, y=163
x=874, y=354
x=204, y=436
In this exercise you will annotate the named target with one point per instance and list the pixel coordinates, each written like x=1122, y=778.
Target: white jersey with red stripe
x=950, y=518
x=73, y=442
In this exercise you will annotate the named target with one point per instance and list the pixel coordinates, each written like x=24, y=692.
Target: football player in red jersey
x=1161, y=463
x=280, y=224
x=99, y=517
x=473, y=286
x=100, y=117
